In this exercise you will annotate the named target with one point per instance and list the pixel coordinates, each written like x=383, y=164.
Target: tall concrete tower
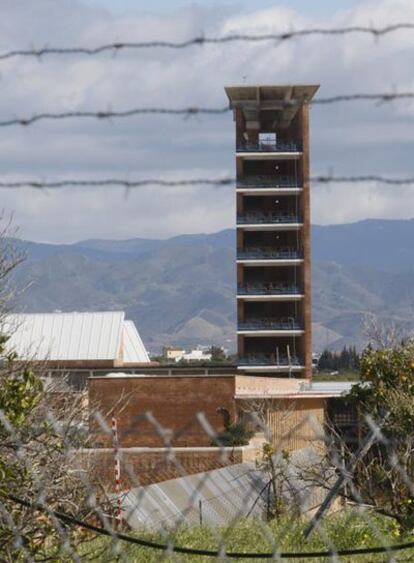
x=273, y=229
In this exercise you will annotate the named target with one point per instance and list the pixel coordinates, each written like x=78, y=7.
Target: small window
x=267, y=138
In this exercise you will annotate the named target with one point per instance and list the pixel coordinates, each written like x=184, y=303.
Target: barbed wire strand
x=215, y=182
x=66, y=518
x=380, y=98
x=200, y=40
x=186, y=112
x=362, y=179
x=384, y=97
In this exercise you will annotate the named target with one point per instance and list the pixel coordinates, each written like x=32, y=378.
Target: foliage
x=347, y=359
x=234, y=433
x=389, y=368
x=386, y=392
x=39, y=456
x=218, y=355
x=346, y=529
x=19, y=394
x=37, y=461
x=275, y=464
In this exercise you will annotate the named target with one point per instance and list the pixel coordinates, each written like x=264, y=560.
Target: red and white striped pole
x=118, y=517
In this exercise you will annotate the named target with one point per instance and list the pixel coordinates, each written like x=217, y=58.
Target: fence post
x=117, y=461
x=200, y=510
x=268, y=500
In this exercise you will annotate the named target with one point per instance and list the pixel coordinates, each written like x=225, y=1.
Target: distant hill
x=382, y=244
x=182, y=290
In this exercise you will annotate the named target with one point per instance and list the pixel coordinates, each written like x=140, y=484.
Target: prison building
x=273, y=229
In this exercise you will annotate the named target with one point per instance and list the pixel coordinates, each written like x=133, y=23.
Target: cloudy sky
x=349, y=138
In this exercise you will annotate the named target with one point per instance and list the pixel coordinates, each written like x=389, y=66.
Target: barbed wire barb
x=186, y=112
x=193, y=182
x=199, y=40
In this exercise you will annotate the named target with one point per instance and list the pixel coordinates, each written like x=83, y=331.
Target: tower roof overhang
x=277, y=105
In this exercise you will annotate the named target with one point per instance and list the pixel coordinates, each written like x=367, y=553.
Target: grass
x=341, y=376
x=346, y=529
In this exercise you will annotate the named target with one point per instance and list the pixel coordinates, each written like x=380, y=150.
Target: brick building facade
x=155, y=411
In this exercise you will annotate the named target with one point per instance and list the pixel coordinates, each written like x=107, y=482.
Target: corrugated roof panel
x=75, y=337
x=117, y=329
x=59, y=338
x=134, y=349
x=84, y=326
x=222, y=494
x=66, y=336
x=331, y=387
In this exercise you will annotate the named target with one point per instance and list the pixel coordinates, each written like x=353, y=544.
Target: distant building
x=195, y=355
x=171, y=353
x=76, y=345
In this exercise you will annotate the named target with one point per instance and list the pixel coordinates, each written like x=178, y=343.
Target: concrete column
x=306, y=241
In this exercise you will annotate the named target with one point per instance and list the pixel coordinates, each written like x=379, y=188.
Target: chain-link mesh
x=72, y=490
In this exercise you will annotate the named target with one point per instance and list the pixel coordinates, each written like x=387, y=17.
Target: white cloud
x=339, y=203
x=351, y=138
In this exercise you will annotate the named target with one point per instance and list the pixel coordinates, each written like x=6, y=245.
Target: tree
x=40, y=436
x=234, y=434
x=386, y=393
x=347, y=359
x=218, y=355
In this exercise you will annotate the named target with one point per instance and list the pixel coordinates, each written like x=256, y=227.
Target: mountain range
x=182, y=290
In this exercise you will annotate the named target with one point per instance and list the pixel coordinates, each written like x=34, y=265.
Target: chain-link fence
x=80, y=482
x=211, y=465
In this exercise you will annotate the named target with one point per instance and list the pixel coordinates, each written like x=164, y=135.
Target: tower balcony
x=271, y=362
x=256, y=256
x=269, y=292
x=268, y=182
x=263, y=185
x=269, y=151
x=269, y=221
x=270, y=327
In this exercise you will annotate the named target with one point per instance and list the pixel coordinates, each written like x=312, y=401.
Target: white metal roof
x=134, y=349
x=73, y=336
x=290, y=388
x=332, y=388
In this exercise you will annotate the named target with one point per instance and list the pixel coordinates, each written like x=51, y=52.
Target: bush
x=235, y=434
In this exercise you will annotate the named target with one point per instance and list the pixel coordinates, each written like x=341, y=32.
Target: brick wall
x=173, y=402
x=145, y=466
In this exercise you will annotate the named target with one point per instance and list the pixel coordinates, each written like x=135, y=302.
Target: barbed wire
x=190, y=111
x=362, y=179
x=109, y=114
x=381, y=98
x=200, y=40
x=194, y=182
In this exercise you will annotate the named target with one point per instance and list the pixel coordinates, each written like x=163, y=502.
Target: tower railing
x=269, y=360
x=261, y=218
x=262, y=181
x=268, y=146
x=270, y=324
x=258, y=288
x=266, y=253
